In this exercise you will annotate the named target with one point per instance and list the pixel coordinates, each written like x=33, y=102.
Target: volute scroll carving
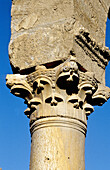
x=19, y=86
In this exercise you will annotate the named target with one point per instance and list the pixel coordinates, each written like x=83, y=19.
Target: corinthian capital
x=64, y=90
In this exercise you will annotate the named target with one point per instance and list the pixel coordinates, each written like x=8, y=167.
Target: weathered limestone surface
x=44, y=32
x=58, y=56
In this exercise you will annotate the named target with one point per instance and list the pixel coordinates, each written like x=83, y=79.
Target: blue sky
x=14, y=126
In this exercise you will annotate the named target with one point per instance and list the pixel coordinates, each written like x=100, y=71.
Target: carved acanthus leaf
x=88, y=108
x=74, y=99
x=54, y=99
x=101, y=95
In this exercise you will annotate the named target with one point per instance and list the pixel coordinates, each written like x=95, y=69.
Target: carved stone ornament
x=60, y=91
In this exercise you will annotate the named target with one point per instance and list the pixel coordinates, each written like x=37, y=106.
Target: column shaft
x=58, y=143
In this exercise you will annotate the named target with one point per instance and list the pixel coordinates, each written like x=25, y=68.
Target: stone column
x=59, y=101
x=59, y=70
